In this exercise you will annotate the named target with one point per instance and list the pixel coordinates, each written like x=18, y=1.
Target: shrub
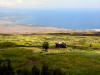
x=7, y=44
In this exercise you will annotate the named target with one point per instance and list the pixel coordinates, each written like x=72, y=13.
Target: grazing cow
x=60, y=45
x=45, y=46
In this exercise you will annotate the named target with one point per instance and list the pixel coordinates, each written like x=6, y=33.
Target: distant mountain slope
x=18, y=29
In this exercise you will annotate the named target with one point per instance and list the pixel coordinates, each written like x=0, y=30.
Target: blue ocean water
x=64, y=18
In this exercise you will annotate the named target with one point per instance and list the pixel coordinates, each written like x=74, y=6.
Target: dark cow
x=45, y=46
x=60, y=45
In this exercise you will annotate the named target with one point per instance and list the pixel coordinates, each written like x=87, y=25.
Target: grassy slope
x=80, y=60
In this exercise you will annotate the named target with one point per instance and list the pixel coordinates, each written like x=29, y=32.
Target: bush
x=7, y=44
x=7, y=69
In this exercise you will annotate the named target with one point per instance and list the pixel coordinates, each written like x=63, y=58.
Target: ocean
x=63, y=18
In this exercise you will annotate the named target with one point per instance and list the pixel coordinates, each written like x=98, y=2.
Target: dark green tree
x=45, y=46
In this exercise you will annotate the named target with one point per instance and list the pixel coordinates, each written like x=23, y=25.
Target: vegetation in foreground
x=81, y=57
x=7, y=69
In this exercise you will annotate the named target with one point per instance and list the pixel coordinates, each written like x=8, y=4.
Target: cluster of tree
x=60, y=45
x=45, y=45
x=7, y=69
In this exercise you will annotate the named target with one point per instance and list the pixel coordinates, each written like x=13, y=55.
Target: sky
x=30, y=4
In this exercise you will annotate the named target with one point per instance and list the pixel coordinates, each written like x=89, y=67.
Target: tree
x=45, y=46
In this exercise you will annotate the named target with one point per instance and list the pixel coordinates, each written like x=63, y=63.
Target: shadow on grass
x=79, y=47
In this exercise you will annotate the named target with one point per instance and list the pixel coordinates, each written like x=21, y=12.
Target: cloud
x=2, y=3
x=50, y=3
x=20, y=1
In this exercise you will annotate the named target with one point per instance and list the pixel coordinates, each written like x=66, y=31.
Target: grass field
x=78, y=58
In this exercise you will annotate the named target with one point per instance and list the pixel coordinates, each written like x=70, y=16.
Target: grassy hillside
x=78, y=58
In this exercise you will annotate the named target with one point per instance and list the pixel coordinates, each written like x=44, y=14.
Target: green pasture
x=78, y=58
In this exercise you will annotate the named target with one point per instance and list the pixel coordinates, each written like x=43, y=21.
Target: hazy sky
x=50, y=3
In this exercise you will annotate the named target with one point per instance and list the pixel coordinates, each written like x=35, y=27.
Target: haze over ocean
x=64, y=18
